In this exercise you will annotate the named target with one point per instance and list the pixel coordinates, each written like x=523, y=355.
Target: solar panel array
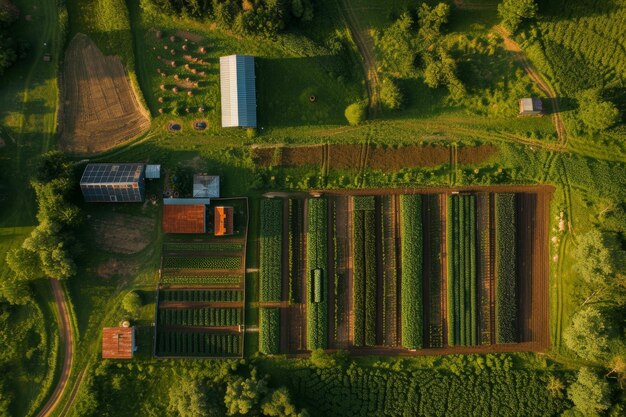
x=113, y=183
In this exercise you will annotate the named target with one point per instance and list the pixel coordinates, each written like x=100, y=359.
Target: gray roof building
x=238, y=91
x=530, y=106
x=206, y=186
x=113, y=183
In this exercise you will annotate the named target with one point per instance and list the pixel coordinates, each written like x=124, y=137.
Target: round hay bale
x=172, y=38
x=187, y=79
x=190, y=93
x=172, y=51
x=163, y=74
x=175, y=90
x=159, y=70
x=186, y=66
x=202, y=50
x=202, y=73
x=158, y=56
x=187, y=110
x=158, y=34
x=162, y=87
x=173, y=64
x=161, y=110
x=200, y=109
x=176, y=77
x=186, y=40
x=161, y=99
x=193, y=70
x=185, y=47
x=165, y=47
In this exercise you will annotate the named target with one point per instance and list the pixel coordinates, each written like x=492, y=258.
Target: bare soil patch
x=116, y=267
x=100, y=107
x=388, y=159
x=123, y=233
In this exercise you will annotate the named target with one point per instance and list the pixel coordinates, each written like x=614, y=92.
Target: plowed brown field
x=100, y=107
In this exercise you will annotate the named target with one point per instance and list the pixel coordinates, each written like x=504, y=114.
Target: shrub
x=390, y=95
x=513, y=12
x=411, y=275
x=131, y=303
x=590, y=393
x=596, y=113
x=356, y=113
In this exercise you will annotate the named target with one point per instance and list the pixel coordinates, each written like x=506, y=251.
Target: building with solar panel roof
x=113, y=183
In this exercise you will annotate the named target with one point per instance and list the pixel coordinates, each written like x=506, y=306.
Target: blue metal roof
x=238, y=91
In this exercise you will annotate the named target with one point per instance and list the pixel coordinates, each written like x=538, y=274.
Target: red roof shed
x=118, y=342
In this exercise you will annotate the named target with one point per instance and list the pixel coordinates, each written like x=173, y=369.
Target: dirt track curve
x=365, y=46
x=513, y=47
x=67, y=340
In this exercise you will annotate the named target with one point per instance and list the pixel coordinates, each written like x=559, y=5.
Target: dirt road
x=67, y=341
x=365, y=45
x=513, y=47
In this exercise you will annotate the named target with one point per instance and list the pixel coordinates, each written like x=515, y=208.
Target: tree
x=52, y=165
x=278, y=404
x=397, y=46
x=596, y=113
x=618, y=369
x=390, y=95
x=355, y=113
x=597, y=262
x=131, y=303
x=588, y=334
x=187, y=399
x=513, y=12
x=430, y=20
x=555, y=386
x=24, y=263
x=590, y=394
x=244, y=396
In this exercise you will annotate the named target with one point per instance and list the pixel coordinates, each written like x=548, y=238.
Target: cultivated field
x=100, y=109
x=201, y=294
x=400, y=272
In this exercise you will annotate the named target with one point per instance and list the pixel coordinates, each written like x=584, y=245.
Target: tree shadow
x=564, y=10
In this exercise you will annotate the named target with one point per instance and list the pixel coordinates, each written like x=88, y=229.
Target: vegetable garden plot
x=411, y=273
x=434, y=296
x=204, y=317
x=270, y=243
x=506, y=276
x=317, y=259
x=212, y=262
x=176, y=278
x=269, y=330
x=199, y=344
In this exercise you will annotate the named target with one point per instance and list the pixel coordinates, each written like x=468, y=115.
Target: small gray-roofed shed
x=206, y=186
x=238, y=91
x=529, y=106
x=153, y=172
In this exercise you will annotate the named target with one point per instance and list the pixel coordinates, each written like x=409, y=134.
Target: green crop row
x=364, y=202
x=506, y=286
x=358, y=277
x=206, y=246
x=197, y=344
x=461, y=289
x=317, y=258
x=200, y=279
x=202, y=262
x=200, y=316
x=269, y=330
x=411, y=271
x=200, y=295
x=270, y=244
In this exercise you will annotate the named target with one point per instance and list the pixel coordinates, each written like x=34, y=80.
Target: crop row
x=200, y=316
x=506, y=286
x=364, y=276
x=269, y=330
x=461, y=290
x=202, y=262
x=200, y=279
x=197, y=344
x=411, y=272
x=317, y=258
x=205, y=246
x=200, y=295
x=270, y=249
x=296, y=219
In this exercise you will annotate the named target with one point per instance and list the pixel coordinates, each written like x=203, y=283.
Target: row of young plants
x=205, y=262
x=411, y=271
x=506, y=280
x=200, y=295
x=197, y=344
x=364, y=276
x=200, y=316
x=461, y=284
x=317, y=259
x=269, y=330
x=432, y=273
x=296, y=220
x=270, y=243
x=178, y=279
x=204, y=246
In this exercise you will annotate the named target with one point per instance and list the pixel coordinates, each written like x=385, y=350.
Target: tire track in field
x=365, y=45
x=544, y=86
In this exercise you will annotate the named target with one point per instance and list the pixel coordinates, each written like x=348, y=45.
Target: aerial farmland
x=312, y=208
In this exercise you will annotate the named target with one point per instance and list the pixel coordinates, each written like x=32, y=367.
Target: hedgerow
x=317, y=258
x=269, y=330
x=270, y=243
x=506, y=281
x=411, y=272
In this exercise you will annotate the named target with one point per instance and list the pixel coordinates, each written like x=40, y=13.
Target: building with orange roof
x=118, y=342
x=223, y=221
x=184, y=218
